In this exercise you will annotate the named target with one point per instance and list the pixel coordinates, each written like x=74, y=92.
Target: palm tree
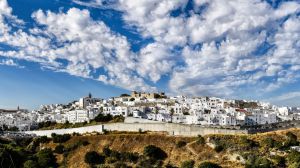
x=156, y=112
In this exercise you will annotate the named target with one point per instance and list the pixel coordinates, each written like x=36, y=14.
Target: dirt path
x=192, y=150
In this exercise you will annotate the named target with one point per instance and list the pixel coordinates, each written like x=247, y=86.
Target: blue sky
x=55, y=51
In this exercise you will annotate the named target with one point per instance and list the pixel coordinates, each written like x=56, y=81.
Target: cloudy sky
x=54, y=51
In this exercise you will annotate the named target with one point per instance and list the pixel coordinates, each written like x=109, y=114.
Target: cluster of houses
x=158, y=107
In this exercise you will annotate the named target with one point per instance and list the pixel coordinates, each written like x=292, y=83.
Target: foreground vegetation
x=148, y=150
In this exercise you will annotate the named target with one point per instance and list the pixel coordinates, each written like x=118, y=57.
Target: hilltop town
x=205, y=111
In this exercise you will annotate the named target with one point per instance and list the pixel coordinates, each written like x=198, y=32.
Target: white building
x=77, y=116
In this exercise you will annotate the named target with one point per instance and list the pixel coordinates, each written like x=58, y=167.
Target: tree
x=154, y=152
x=103, y=118
x=46, y=158
x=124, y=95
x=171, y=114
x=188, y=164
x=59, y=149
x=93, y=158
x=208, y=165
x=156, y=110
x=43, y=139
x=10, y=157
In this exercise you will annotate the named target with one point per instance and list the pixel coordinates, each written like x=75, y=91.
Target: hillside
x=230, y=150
x=153, y=150
x=136, y=143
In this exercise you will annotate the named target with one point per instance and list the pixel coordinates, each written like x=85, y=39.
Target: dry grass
x=136, y=143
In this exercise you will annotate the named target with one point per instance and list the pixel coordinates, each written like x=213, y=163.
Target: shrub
x=46, y=158
x=59, y=149
x=85, y=143
x=105, y=132
x=219, y=148
x=118, y=118
x=200, y=140
x=30, y=164
x=291, y=140
x=188, y=164
x=93, y=158
x=43, y=139
x=255, y=161
x=268, y=142
x=60, y=138
x=293, y=157
x=149, y=163
x=120, y=165
x=154, y=152
x=169, y=165
x=262, y=162
x=106, y=151
x=247, y=143
x=294, y=165
x=75, y=145
x=180, y=144
x=279, y=161
x=208, y=165
x=115, y=154
x=129, y=157
x=292, y=136
x=110, y=160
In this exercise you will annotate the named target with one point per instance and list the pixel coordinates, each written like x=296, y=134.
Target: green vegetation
x=188, y=164
x=154, y=152
x=45, y=158
x=94, y=158
x=31, y=164
x=291, y=140
x=209, y=165
x=99, y=119
x=200, y=140
x=124, y=150
x=60, y=138
x=180, y=144
x=124, y=95
x=242, y=104
x=59, y=149
x=6, y=128
x=113, y=156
